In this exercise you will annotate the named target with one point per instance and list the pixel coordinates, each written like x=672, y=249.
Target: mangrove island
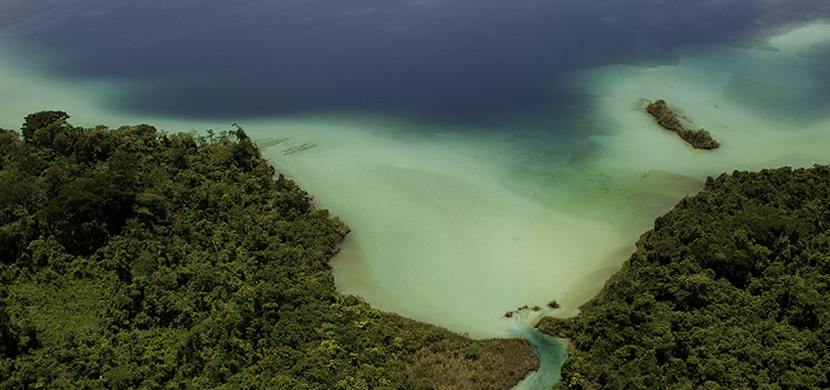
x=666, y=118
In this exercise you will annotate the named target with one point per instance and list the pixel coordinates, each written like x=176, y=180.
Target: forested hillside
x=132, y=258
x=728, y=291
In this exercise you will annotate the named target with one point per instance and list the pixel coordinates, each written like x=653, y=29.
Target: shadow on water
x=439, y=58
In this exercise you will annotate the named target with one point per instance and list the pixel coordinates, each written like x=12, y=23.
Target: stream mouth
x=552, y=351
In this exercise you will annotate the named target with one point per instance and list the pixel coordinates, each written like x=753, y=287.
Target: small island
x=699, y=139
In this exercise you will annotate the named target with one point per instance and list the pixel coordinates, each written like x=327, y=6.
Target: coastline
x=794, y=144
x=678, y=279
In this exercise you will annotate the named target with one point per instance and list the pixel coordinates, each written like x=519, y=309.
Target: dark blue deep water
x=447, y=60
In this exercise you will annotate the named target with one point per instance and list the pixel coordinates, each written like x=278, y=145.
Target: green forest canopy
x=728, y=291
x=133, y=258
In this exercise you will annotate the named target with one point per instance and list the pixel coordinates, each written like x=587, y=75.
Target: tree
x=44, y=120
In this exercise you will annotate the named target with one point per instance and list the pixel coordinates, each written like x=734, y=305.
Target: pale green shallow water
x=456, y=226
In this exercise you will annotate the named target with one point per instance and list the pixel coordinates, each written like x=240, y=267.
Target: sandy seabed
x=456, y=226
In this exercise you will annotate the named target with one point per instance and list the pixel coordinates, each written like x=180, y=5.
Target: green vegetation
x=132, y=258
x=728, y=291
x=699, y=139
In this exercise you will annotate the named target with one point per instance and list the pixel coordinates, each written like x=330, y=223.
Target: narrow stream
x=552, y=351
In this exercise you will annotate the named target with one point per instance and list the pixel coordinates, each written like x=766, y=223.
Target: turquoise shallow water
x=486, y=158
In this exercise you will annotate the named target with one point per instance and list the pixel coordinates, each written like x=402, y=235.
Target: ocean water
x=487, y=155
